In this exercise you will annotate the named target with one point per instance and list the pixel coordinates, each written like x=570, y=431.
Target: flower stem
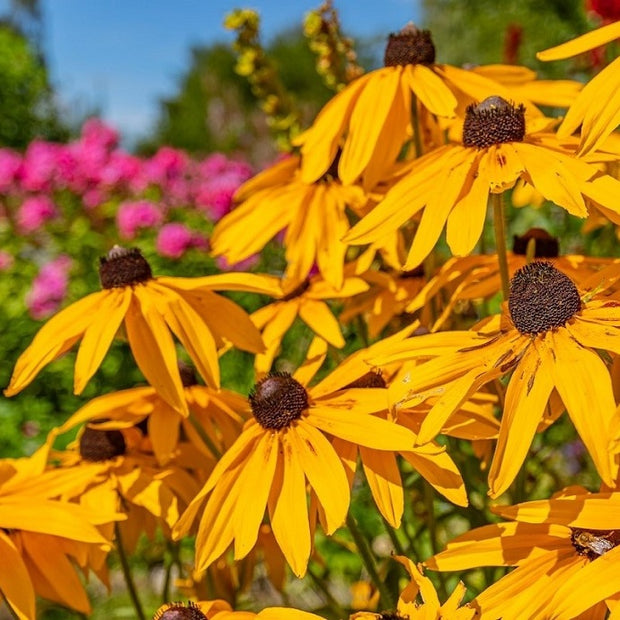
x=432, y=532
x=131, y=587
x=500, y=241
x=369, y=562
x=332, y=603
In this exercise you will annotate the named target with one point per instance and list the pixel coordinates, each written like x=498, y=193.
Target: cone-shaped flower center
x=277, y=400
x=409, y=47
x=594, y=543
x=100, y=445
x=545, y=246
x=541, y=298
x=372, y=379
x=492, y=122
x=179, y=611
x=123, y=267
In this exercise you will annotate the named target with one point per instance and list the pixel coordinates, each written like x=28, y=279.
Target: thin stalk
x=497, y=200
x=205, y=438
x=131, y=586
x=12, y=612
x=398, y=547
x=365, y=552
x=172, y=560
x=333, y=604
x=432, y=531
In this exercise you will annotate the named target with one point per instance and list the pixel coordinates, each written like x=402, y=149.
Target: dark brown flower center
x=101, y=445
x=179, y=611
x=372, y=379
x=541, y=298
x=410, y=46
x=492, y=122
x=418, y=272
x=594, y=543
x=278, y=400
x=391, y=615
x=123, y=267
x=545, y=246
x=188, y=374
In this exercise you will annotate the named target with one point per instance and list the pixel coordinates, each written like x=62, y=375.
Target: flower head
x=49, y=288
x=174, y=239
x=132, y=216
x=34, y=212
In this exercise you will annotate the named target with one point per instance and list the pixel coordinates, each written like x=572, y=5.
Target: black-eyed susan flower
x=282, y=449
x=213, y=424
x=307, y=301
x=548, y=337
x=450, y=186
x=371, y=119
x=109, y=469
x=149, y=308
x=419, y=600
x=464, y=280
x=312, y=214
x=597, y=107
x=43, y=539
x=565, y=550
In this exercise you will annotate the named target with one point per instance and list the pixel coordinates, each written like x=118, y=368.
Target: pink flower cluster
x=49, y=288
x=96, y=170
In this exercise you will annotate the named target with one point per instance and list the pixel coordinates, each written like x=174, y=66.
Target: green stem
x=131, y=587
x=333, y=604
x=500, y=242
x=398, y=547
x=205, y=438
x=172, y=560
x=432, y=532
x=365, y=552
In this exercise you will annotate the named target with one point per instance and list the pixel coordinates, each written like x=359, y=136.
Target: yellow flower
x=149, y=308
x=428, y=607
x=450, y=186
x=281, y=450
x=565, y=551
x=219, y=414
x=109, y=470
x=43, y=539
x=314, y=215
x=597, y=107
x=549, y=339
x=308, y=302
x=470, y=278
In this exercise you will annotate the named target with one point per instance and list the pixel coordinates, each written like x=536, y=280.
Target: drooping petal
x=581, y=44
x=289, y=511
x=56, y=337
x=526, y=399
x=15, y=582
x=99, y=334
x=324, y=472
x=431, y=90
x=317, y=315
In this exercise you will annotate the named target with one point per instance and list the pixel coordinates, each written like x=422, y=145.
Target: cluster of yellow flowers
x=397, y=156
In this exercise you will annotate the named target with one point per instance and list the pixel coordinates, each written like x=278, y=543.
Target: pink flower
x=218, y=163
x=215, y=195
x=96, y=133
x=132, y=216
x=34, y=212
x=6, y=260
x=40, y=166
x=175, y=239
x=10, y=163
x=49, y=288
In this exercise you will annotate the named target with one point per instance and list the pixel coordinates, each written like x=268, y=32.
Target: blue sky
x=122, y=55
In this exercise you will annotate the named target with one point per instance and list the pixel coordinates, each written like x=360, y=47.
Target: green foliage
x=26, y=107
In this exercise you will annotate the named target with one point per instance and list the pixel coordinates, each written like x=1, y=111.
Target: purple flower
x=132, y=216
x=34, y=212
x=175, y=239
x=49, y=288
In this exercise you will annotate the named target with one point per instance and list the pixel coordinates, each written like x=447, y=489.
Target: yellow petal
x=431, y=90
x=56, y=337
x=581, y=44
x=288, y=510
x=15, y=582
x=254, y=485
x=318, y=316
x=317, y=352
x=526, y=399
x=153, y=349
x=99, y=334
x=323, y=471
x=163, y=431
x=384, y=481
